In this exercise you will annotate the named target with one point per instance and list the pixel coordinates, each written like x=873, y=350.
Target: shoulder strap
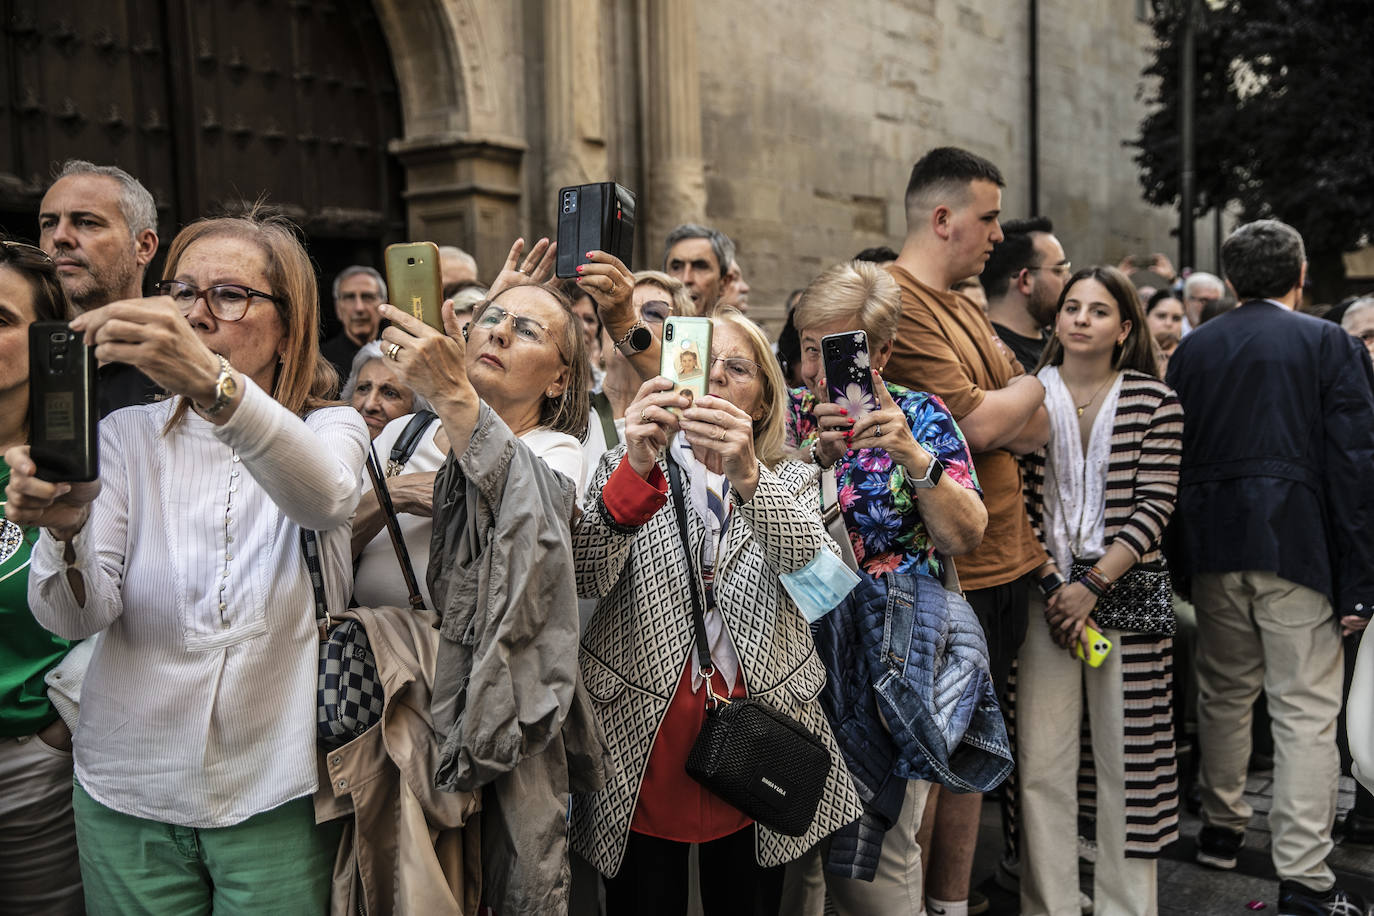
x=698, y=620
x=604, y=412
x=408, y=441
x=393, y=527
x=833, y=518
x=310, y=549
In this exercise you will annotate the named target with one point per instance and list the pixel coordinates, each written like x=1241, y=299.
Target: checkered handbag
x=349, y=694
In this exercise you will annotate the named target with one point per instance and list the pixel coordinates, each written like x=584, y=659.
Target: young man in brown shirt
x=946, y=345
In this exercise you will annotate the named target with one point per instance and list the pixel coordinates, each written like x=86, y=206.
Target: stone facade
x=791, y=126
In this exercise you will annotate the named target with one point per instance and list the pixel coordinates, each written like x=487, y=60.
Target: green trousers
x=278, y=861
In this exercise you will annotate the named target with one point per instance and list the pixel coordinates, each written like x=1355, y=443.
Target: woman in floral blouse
x=906, y=488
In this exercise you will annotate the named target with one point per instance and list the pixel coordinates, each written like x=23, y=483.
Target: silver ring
x=394, y=351
x=877, y=432
x=644, y=416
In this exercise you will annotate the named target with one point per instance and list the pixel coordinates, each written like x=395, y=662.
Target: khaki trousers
x=1051, y=688
x=1256, y=630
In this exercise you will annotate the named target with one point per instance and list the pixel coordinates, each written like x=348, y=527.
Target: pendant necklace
x=1084, y=406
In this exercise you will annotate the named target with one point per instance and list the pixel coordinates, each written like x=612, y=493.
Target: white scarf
x=1075, y=485
x=700, y=481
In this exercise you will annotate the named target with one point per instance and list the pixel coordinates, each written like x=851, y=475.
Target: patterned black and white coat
x=640, y=636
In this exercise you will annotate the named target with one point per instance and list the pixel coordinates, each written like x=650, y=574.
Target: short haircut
x=721, y=246
x=1161, y=295
x=1363, y=304
x=1263, y=259
x=135, y=203
x=1013, y=254
x=354, y=271
x=858, y=291
x=879, y=254
x=676, y=290
x=453, y=251
x=368, y=352
x=1200, y=278
x=945, y=173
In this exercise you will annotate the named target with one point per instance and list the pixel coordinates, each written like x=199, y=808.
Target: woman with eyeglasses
x=748, y=528
x=39, y=871
x=195, y=750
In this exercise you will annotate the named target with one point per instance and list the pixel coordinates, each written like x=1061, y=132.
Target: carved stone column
x=677, y=184
x=575, y=152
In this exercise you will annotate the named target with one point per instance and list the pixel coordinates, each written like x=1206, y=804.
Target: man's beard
x=101, y=288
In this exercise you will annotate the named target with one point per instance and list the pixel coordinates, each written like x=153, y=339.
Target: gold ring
x=721, y=437
x=394, y=351
x=644, y=416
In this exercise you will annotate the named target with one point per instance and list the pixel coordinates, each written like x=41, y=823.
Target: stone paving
x=1189, y=889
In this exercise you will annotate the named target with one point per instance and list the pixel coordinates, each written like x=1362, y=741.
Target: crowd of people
x=1064, y=532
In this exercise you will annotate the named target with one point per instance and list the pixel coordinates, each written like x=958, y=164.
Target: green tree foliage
x=1284, y=118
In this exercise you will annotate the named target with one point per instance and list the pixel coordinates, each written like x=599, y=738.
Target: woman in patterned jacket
x=1099, y=495
x=748, y=527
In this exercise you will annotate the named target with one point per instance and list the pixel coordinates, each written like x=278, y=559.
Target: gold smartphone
x=413, y=281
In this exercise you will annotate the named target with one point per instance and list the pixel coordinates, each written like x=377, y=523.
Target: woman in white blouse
x=195, y=751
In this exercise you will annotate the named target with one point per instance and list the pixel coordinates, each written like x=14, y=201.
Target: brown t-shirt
x=946, y=345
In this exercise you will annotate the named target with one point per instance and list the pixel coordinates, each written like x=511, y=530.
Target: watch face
x=640, y=339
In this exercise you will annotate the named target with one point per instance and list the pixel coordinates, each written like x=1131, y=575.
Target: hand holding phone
x=594, y=217
x=685, y=358
x=848, y=376
x=1097, y=647
x=413, y=281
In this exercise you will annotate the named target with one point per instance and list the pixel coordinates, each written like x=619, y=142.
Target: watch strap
x=623, y=344
x=934, y=471
x=224, y=388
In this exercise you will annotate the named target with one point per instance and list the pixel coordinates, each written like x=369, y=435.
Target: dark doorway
x=210, y=103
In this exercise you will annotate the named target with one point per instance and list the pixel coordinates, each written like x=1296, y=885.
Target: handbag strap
x=606, y=414
x=393, y=527
x=698, y=618
x=408, y=441
x=310, y=549
x=833, y=518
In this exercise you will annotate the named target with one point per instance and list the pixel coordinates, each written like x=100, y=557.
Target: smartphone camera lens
x=410, y=261
x=58, y=337
x=668, y=332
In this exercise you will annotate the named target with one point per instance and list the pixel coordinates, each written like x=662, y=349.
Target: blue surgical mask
x=819, y=585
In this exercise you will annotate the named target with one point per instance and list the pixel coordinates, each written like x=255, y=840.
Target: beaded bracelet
x=1091, y=585
x=1099, y=577
x=815, y=459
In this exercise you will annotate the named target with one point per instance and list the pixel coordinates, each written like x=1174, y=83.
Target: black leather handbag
x=755, y=757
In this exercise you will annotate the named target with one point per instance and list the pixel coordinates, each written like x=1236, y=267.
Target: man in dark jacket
x=1276, y=499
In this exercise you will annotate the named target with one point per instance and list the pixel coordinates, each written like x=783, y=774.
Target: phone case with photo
x=686, y=353
x=848, y=375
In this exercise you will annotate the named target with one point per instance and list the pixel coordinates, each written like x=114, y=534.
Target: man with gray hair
x=359, y=292
x=99, y=225
x=1273, y=516
x=1200, y=290
x=457, y=269
x=1358, y=322
x=700, y=257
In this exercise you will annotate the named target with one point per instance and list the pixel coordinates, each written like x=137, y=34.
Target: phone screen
x=685, y=357
x=848, y=376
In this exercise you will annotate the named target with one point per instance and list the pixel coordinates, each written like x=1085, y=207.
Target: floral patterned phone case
x=848, y=378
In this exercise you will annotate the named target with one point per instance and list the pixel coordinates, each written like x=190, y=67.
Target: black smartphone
x=848, y=376
x=594, y=217
x=62, y=403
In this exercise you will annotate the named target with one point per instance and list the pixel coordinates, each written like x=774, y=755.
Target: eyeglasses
x=526, y=328
x=227, y=302
x=737, y=368
x=1062, y=270
x=369, y=298
x=25, y=249
x=655, y=311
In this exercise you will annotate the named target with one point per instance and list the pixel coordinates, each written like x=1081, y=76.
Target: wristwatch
x=934, y=471
x=636, y=340
x=225, y=388
x=1051, y=583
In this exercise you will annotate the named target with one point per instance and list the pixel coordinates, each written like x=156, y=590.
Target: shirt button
x=1359, y=607
x=236, y=459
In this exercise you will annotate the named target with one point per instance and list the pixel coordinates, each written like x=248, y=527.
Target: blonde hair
x=856, y=290
x=304, y=380
x=678, y=296
x=770, y=430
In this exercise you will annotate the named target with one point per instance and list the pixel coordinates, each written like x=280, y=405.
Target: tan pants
x=1051, y=688
x=896, y=888
x=1257, y=630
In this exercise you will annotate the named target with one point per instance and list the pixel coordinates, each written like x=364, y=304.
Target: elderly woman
x=375, y=392
x=747, y=529
x=39, y=872
x=906, y=491
x=195, y=751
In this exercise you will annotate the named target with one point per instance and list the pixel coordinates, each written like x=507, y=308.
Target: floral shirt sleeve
x=878, y=502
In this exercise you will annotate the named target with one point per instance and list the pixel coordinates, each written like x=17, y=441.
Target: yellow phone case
x=1097, y=653
x=413, y=281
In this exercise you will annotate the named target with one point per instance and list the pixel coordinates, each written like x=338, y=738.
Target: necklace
x=1084, y=406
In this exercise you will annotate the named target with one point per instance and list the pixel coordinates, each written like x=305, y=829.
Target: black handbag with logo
x=755, y=757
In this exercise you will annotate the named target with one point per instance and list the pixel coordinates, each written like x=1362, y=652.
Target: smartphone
x=1098, y=647
x=848, y=377
x=594, y=217
x=62, y=403
x=413, y=281
x=685, y=354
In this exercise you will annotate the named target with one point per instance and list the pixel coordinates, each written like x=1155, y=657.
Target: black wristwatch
x=934, y=471
x=636, y=340
x=1049, y=584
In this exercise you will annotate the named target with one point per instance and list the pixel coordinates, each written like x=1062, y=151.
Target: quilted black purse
x=349, y=695
x=758, y=759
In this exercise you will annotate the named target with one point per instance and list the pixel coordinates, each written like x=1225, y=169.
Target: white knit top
x=199, y=705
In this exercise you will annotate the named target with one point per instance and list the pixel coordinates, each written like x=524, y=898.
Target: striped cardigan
x=1142, y=476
